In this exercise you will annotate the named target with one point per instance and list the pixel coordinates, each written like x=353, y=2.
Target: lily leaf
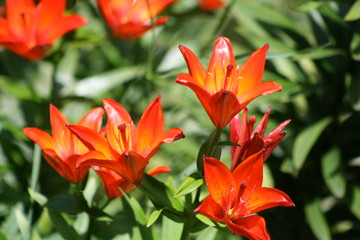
x=306, y=140
x=334, y=178
x=317, y=221
x=38, y=197
x=190, y=184
x=62, y=226
x=153, y=217
x=354, y=12
x=162, y=194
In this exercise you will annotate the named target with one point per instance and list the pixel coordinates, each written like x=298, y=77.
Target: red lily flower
x=210, y=5
x=127, y=149
x=130, y=19
x=225, y=88
x=252, y=141
x=62, y=149
x=236, y=196
x=113, y=181
x=29, y=30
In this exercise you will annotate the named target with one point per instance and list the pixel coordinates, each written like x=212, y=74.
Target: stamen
x=123, y=136
x=229, y=71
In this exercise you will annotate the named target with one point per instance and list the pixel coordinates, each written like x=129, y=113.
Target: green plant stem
x=221, y=24
x=151, y=52
x=36, y=163
x=213, y=143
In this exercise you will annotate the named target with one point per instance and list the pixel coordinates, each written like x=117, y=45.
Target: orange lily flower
x=29, y=30
x=130, y=19
x=62, y=149
x=225, y=88
x=127, y=149
x=113, y=181
x=210, y=5
x=252, y=141
x=236, y=196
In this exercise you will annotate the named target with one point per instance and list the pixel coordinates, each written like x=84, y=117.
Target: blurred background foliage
x=314, y=54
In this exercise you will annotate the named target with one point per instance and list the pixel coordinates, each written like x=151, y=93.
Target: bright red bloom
x=62, y=149
x=236, y=196
x=130, y=19
x=29, y=30
x=225, y=88
x=252, y=141
x=210, y=5
x=127, y=149
x=113, y=181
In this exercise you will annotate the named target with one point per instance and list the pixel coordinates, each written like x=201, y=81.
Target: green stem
x=151, y=52
x=33, y=185
x=221, y=24
x=213, y=143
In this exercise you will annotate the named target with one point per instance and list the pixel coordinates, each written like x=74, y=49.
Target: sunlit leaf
x=37, y=197
x=354, y=12
x=190, y=184
x=317, y=220
x=153, y=217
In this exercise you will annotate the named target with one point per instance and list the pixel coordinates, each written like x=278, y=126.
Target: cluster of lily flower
x=120, y=152
x=30, y=29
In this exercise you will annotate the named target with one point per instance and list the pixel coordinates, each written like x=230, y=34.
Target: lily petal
x=219, y=181
x=196, y=70
x=263, y=198
x=210, y=209
x=61, y=135
x=40, y=137
x=252, y=227
x=252, y=70
x=250, y=170
x=221, y=58
x=91, y=139
x=223, y=106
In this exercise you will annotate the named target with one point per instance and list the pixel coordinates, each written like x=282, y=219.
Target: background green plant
x=314, y=54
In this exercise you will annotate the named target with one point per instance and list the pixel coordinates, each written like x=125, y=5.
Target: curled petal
x=91, y=139
x=263, y=198
x=196, y=70
x=43, y=139
x=159, y=170
x=252, y=227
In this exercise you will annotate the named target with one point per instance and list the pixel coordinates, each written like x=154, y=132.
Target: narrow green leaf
x=355, y=206
x=170, y=229
x=306, y=5
x=62, y=226
x=99, y=84
x=306, y=140
x=136, y=207
x=67, y=203
x=354, y=12
x=208, y=234
x=17, y=89
x=153, y=217
x=37, y=197
x=331, y=169
x=317, y=221
x=22, y=223
x=162, y=194
x=355, y=46
x=205, y=220
x=190, y=184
